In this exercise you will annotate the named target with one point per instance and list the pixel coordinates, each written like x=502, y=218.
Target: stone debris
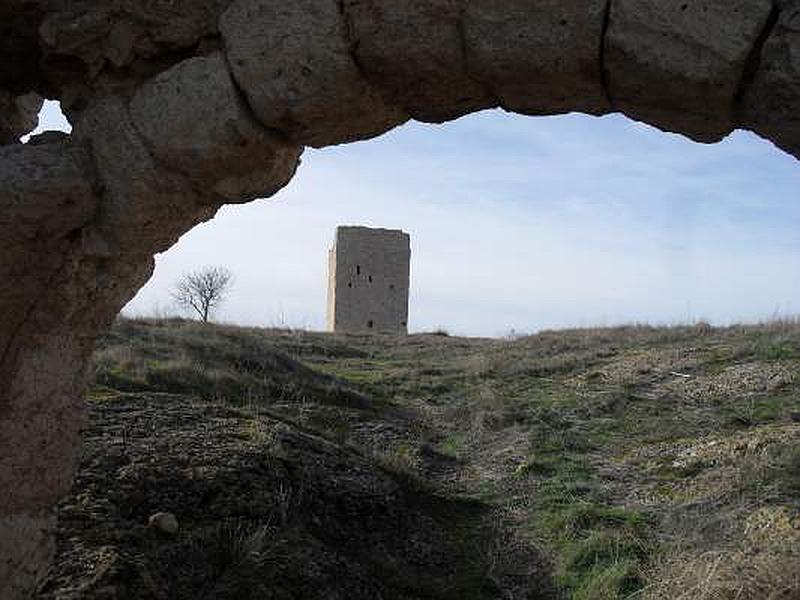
x=165, y=522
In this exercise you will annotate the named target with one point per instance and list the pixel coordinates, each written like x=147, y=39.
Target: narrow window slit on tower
x=358, y=269
x=370, y=324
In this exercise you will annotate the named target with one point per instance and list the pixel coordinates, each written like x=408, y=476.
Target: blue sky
x=520, y=223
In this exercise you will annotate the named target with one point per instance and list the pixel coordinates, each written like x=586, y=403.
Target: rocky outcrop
x=81, y=218
x=538, y=57
x=181, y=106
x=293, y=60
x=678, y=64
x=18, y=115
x=218, y=146
x=771, y=103
x=80, y=40
x=47, y=196
x=414, y=52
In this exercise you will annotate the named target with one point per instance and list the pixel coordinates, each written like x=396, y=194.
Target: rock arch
x=181, y=106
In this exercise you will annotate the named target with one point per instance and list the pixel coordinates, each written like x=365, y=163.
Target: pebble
x=164, y=522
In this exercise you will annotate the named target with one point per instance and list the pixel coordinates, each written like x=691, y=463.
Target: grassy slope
x=654, y=462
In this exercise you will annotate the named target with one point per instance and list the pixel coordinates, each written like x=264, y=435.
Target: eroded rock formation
x=181, y=106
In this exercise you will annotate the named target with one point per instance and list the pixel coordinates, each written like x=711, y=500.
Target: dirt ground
x=632, y=462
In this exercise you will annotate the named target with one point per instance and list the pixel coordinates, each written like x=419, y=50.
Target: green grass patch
x=453, y=445
x=759, y=410
x=101, y=393
x=613, y=580
x=777, y=351
x=599, y=550
x=781, y=473
x=788, y=474
x=580, y=517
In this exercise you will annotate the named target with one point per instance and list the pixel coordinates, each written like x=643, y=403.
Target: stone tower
x=368, y=277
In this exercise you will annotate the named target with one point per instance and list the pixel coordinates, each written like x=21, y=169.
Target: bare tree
x=203, y=290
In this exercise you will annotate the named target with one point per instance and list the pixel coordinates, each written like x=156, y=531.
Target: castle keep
x=368, y=279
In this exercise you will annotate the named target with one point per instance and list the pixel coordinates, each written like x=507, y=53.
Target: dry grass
x=650, y=462
x=762, y=564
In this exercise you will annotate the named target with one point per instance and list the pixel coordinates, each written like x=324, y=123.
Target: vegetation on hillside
x=644, y=462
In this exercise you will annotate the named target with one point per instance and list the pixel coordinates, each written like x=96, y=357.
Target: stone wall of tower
x=368, y=281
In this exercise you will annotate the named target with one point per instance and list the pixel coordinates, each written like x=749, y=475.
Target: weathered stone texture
x=83, y=216
x=98, y=31
x=45, y=192
x=678, y=64
x=18, y=115
x=46, y=195
x=58, y=296
x=30, y=539
x=293, y=61
x=41, y=396
x=538, y=56
x=414, y=51
x=368, y=281
x=142, y=201
x=45, y=413
x=771, y=104
x=195, y=122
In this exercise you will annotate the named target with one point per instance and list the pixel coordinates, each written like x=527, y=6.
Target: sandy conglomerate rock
x=538, y=57
x=679, y=64
x=771, y=104
x=295, y=63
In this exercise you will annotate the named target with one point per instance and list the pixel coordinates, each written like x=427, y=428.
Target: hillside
x=588, y=464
